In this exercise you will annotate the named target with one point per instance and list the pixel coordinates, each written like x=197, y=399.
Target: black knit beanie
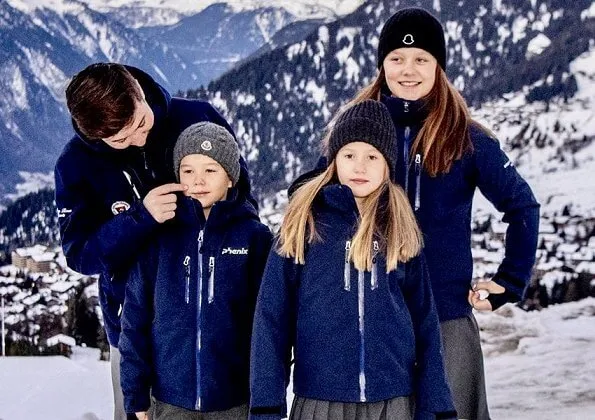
x=369, y=122
x=412, y=28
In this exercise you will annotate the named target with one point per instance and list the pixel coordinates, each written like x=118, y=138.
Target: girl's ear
x=229, y=183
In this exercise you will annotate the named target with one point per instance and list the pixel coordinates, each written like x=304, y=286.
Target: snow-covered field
x=539, y=366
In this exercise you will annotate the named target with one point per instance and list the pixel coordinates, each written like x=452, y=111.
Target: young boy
x=187, y=318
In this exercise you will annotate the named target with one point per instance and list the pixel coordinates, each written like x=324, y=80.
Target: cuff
x=266, y=413
x=499, y=299
x=140, y=401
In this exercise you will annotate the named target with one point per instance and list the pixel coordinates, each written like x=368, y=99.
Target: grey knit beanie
x=212, y=140
x=369, y=122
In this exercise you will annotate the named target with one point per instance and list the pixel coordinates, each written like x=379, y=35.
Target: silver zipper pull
x=417, y=203
x=347, y=268
x=187, y=270
x=211, y=279
x=374, y=276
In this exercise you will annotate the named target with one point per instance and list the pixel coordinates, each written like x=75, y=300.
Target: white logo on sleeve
x=235, y=251
x=63, y=212
x=408, y=39
x=509, y=163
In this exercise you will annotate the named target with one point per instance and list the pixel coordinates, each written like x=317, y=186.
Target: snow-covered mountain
x=526, y=67
x=143, y=13
x=44, y=42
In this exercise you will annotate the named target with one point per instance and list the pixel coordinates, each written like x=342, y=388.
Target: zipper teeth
x=362, y=357
x=347, y=268
x=211, y=279
x=198, y=335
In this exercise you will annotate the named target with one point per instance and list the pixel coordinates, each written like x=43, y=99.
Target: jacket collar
x=190, y=213
x=336, y=198
x=405, y=112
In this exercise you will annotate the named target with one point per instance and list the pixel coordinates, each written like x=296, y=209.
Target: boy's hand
x=477, y=295
x=161, y=201
x=142, y=415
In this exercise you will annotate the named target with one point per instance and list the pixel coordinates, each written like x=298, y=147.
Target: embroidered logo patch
x=206, y=145
x=408, y=39
x=236, y=251
x=120, y=207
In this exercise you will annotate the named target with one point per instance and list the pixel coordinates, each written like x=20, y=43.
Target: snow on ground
x=539, y=366
x=56, y=388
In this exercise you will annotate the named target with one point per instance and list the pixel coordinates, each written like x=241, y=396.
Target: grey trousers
x=114, y=357
x=463, y=361
x=164, y=411
x=400, y=408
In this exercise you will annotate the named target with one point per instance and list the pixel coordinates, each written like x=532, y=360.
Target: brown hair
x=391, y=220
x=102, y=99
x=444, y=136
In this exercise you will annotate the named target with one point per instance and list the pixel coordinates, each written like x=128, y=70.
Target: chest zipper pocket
x=374, y=275
x=187, y=272
x=417, y=203
x=347, y=268
x=211, y=279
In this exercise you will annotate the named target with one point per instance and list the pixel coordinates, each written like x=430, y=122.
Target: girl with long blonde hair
x=346, y=289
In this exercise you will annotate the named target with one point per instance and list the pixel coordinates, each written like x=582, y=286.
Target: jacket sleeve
x=136, y=367
x=502, y=185
x=93, y=239
x=272, y=338
x=433, y=397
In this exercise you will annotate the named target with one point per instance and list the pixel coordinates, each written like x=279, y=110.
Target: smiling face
x=410, y=73
x=362, y=168
x=206, y=179
x=135, y=133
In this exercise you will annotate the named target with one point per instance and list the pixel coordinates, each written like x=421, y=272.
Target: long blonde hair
x=444, y=136
x=385, y=215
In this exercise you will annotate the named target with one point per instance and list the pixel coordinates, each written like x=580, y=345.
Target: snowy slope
x=538, y=364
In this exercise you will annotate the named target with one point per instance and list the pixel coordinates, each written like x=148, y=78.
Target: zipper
x=406, y=134
x=417, y=182
x=362, y=354
x=187, y=270
x=198, y=335
x=405, y=106
x=142, y=151
x=134, y=189
x=374, y=276
x=347, y=268
x=211, y=279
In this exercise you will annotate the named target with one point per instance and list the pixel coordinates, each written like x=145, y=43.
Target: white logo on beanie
x=206, y=145
x=408, y=39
